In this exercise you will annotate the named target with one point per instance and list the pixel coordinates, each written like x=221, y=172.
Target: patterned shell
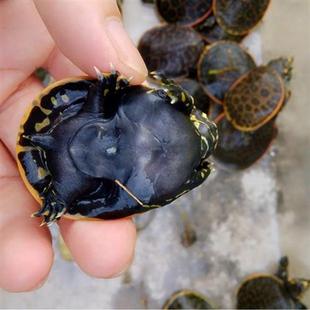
x=238, y=17
x=220, y=65
x=254, y=99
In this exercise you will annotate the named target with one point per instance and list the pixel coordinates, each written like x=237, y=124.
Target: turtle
x=240, y=150
x=183, y=12
x=187, y=299
x=220, y=65
x=171, y=50
x=211, y=31
x=258, y=96
x=102, y=148
x=239, y=17
x=266, y=291
x=193, y=87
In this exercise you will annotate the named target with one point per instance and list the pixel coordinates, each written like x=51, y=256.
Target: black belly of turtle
x=118, y=153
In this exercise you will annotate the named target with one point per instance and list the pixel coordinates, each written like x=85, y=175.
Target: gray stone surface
x=243, y=221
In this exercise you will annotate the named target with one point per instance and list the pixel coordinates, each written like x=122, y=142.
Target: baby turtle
x=104, y=149
x=171, y=50
x=240, y=150
x=220, y=65
x=212, y=31
x=238, y=17
x=184, y=12
x=258, y=96
x=187, y=299
x=264, y=291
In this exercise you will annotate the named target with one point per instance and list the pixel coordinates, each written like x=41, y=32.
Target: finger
x=25, y=249
x=25, y=44
x=60, y=67
x=102, y=249
x=7, y=165
x=90, y=33
x=13, y=109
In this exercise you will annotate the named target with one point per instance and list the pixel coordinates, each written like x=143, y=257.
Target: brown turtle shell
x=254, y=99
x=187, y=299
x=220, y=65
x=238, y=17
x=240, y=150
x=212, y=31
x=263, y=292
x=184, y=12
x=171, y=50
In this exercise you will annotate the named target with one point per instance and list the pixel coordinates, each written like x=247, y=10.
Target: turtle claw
x=51, y=210
x=98, y=74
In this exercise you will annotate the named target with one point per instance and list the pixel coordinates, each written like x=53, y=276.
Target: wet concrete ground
x=243, y=221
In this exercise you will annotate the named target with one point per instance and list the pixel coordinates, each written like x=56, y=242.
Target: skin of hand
x=68, y=38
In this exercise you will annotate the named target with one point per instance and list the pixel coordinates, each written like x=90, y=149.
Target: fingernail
x=125, y=49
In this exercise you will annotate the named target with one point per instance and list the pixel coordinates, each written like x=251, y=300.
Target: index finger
x=90, y=33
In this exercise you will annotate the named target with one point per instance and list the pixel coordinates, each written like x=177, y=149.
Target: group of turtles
x=198, y=47
x=257, y=291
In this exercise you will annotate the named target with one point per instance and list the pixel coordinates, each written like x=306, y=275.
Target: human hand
x=73, y=37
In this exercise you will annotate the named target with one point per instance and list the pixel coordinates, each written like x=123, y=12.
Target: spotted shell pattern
x=184, y=12
x=254, y=99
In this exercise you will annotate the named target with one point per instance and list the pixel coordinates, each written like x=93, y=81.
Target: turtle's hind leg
x=52, y=208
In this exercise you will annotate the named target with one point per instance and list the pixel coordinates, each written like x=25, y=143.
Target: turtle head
x=283, y=66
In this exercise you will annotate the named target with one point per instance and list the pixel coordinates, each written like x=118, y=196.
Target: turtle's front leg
x=178, y=97
x=52, y=208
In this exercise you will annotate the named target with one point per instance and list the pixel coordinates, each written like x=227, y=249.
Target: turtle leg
x=176, y=95
x=52, y=208
x=199, y=175
x=101, y=92
x=282, y=271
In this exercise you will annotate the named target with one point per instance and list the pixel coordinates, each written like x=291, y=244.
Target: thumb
x=90, y=33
